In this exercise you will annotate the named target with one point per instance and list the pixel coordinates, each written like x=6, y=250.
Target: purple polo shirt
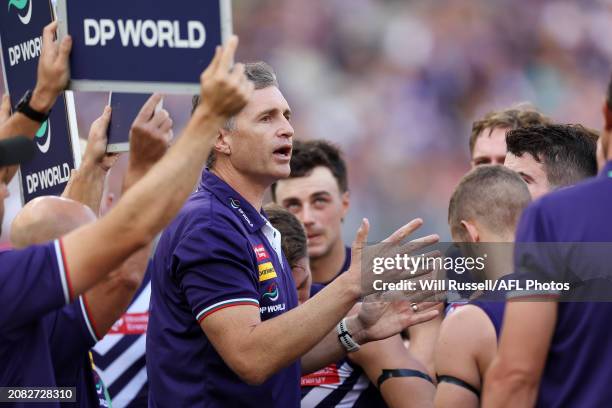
x=214, y=255
x=579, y=364
x=33, y=282
x=71, y=335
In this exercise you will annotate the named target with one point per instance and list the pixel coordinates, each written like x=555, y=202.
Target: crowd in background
x=397, y=83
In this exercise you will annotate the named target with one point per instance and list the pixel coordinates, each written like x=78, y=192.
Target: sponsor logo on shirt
x=272, y=292
x=273, y=308
x=325, y=376
x=266, y=271
x=235, y=204
x=131, y=323
x=261, y=253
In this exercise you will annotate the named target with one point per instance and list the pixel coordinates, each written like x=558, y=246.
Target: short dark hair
x=261, y=74
x=520, y=115
x=493, y=195
x=293, y=236
x=568, y=152
x=307, y=155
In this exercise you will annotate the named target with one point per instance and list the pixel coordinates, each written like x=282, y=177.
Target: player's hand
x=225, y=89
x=53, y=69
x=95, y=153
x=377, y=320
x=150, y=136
x=361, y=270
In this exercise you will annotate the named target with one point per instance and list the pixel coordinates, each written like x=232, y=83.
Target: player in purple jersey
x=225, y=328
x=39, y=279
x=317, y=193
x=484, y=208
x=554, y=354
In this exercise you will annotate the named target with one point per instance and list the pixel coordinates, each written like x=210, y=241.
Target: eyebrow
x=320, y=194
x=286, y=112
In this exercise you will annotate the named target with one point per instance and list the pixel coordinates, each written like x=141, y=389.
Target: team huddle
x=262, y=304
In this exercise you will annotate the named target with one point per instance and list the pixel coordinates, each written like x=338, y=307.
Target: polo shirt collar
x=252, y=219
x=607, y=170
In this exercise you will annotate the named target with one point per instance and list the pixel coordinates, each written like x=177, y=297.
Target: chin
x=280, y=172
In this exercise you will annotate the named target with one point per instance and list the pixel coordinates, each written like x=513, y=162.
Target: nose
x=307, y=216
x=286, y=130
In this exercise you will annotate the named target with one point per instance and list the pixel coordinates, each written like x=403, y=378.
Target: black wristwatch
x=24, y=107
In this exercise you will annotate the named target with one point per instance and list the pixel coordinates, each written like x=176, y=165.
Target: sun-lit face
x=531, y=171
x=303, y=278
x=490, y=148
x=317, y=202
x=260, y=141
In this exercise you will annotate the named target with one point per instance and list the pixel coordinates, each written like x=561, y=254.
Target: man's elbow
x=251, y=374
x=512, y=378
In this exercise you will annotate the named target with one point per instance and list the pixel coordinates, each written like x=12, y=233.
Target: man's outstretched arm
x=256, y=350
x=94, y=250
x=109, y=299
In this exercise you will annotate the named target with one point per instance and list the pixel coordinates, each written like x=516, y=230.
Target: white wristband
x=345, y=337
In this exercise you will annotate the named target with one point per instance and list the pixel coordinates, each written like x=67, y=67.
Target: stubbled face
x=260, y=141
x=531, y=171
x=303, y=279
x=490, y=149
x=317, y=202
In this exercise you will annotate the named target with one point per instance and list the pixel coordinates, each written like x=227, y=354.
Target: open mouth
x=283, y=152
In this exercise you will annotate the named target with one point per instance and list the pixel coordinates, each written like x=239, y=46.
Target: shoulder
x=468, y=331
x=205, y=218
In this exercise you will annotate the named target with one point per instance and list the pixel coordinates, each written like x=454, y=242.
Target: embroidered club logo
x=272, y=292
x=21, y=5
x=43, y=142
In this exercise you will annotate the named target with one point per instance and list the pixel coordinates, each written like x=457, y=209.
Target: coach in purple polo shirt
x=558, y=354
x=224, y=326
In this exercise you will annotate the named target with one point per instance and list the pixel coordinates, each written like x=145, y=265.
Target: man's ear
x=222, y=144
x=346, y=203
x=471, y=231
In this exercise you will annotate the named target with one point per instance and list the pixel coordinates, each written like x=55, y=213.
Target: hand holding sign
x=53, y=69
x=150, y=136
x=225, y=90
x=95, y=153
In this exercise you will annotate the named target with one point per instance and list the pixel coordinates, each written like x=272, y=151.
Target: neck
x=499, y=260
x=326, y=267
x=251, y=190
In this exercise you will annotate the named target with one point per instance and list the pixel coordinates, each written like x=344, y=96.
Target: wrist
x=42, y=100
x=204, y=114
x=357, y=330
x=352, y=286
